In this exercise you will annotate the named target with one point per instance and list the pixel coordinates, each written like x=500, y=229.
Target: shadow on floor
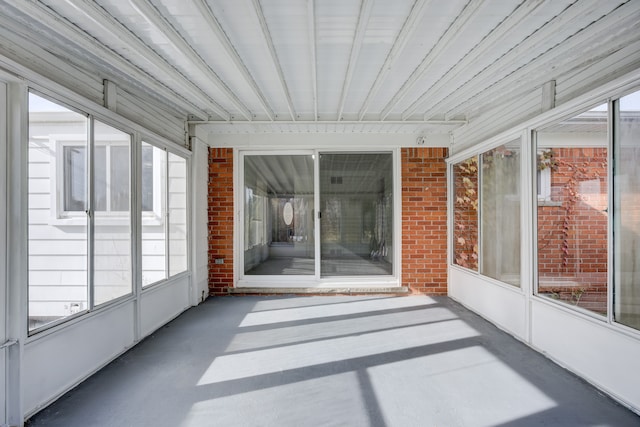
x=343, y=361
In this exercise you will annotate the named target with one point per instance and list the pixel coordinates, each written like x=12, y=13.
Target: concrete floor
x=332, y=361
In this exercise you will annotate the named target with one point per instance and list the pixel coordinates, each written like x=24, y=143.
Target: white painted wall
x=55, y=362
x=200, y=232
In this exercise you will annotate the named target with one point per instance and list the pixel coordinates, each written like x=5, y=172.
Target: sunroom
x=158, y=153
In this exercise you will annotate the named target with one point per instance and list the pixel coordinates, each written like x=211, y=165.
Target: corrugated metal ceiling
x=397, y=66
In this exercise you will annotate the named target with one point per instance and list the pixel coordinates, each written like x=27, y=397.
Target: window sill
x=551, y=203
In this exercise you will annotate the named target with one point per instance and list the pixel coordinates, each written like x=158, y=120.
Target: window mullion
x=166, y=215
x=90, y=212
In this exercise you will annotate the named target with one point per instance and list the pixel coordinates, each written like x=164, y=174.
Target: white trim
x=4, y=389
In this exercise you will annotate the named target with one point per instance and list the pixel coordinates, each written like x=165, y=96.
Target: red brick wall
x=220, y=225
x=572, y=229
x=424, y=220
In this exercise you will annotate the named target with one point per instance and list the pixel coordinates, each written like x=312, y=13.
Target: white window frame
x=60, y=216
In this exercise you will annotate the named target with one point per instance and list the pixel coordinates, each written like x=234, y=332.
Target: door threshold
x=396, y=290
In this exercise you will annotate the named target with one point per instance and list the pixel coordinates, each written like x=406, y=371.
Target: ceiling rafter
x=274, y=55
x=153, y=17
x=486, y=44
x=216, y=27
x=363, y=20
x=100, y=17
x=83, y=40
x=311, y=17
x=409, y=26
x=501, y=67
x=440, y=47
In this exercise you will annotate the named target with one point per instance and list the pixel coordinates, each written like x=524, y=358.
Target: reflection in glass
x=57, y=190
x=627, y=212
x=112, y=224
x=278, y=215
x=177, y=206
x=572, y=221
x=465, y=213
x=500, y=213
x=356, y=203
x=154, y=248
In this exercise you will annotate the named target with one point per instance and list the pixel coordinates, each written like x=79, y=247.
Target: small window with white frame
x=543, y=175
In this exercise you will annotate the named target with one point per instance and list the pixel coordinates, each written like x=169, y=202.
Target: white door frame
x=315, y=281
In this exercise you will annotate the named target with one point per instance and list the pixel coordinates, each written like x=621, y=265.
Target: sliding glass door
x=350, y=233
x=356, y=202
x=278, y=215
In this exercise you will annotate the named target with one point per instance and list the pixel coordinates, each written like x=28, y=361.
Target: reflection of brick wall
x=465, y=214
x=424, y=220
x=220, y=220
x=572, y=229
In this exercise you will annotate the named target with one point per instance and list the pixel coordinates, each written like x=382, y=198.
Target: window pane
x=627, y=212
x=154, y=246
x=356, y=201
x=465, y=213
x=278, y=215
x=119, y=178
x=57, y=245
x=112, y=233
x=572, y=224
x=500, y=213
x=100, y=186
x=74, y=175
x=147, y=176
x=177, y=214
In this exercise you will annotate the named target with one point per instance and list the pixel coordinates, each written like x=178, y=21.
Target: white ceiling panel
x=303, y=66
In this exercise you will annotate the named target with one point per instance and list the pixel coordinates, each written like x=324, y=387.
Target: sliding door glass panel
x=627, y=212
x=356, y=204
x=278, y=215
x=112, y=207
x=572, y=211
x=58, y=223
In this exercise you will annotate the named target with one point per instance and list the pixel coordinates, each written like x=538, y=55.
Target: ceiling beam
x=81, y=39
x=363, y=20
x=482, y=49
x=313, y=40
x=274, y=55
x=440, y=47
x=409, y=26
x=553, y=34
x=99, y=16
x=153, y=17
x=214, y=24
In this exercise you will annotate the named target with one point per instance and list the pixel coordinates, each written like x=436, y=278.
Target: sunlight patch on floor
x=328, y=310
x=261, y=362
x=467, y=386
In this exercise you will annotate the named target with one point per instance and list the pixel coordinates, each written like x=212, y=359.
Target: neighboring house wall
x=572, y=229
x=424, y=220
